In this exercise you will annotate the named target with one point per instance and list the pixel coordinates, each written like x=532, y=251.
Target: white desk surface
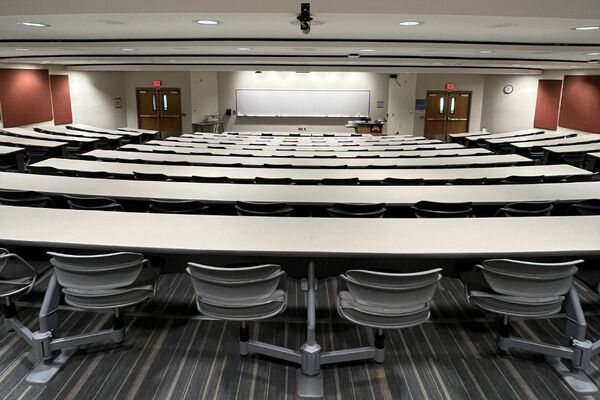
x=294, y=154
x=301, y=141
x=301, y=237
x=579, y=139
x=439, y=174
x=293, y=134
x=576, y=148
x=61, y=130
x=6, y=150
x=594, y=155
x=486, y=159
x=468, y=134
x=299, y=194
x=525, y=132
x=314, y=148
x=30, y=142
x=27, y=133
x=328, y=139
x=541, y=136
x=89, y=128
x=136, y=130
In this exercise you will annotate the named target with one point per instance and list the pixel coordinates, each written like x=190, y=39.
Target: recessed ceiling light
x=35, y=24
x=244, y=48
x=172, y=61
x=207, y=22
x=573, y=66
x=410, y=23
x=21, y=49
x=353, y=55
x=367, y=50
x=587, y=28
x=128, y=49
x=587, y=54
x=45, y=62
x=486, y=51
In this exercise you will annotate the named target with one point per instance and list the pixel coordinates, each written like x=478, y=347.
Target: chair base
x=577, y=380
x=309, y=386
x=43, y=372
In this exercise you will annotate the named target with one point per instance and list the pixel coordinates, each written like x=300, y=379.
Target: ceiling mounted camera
x=305, y=18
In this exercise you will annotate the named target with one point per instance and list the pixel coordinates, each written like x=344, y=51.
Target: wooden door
x=446, y=113
x=435, y=115
x=148, y=109
x=459, y=107
x=160, y=110
x=170, y=108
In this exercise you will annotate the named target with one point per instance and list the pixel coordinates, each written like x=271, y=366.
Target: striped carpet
x=173, y=353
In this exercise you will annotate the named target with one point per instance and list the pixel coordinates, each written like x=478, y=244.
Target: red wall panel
x=547, y=104
x=580, y=106
x=25, y=96
x=61, y=99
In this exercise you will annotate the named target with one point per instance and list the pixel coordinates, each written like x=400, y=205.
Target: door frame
x=447, y=92
x=153, y=88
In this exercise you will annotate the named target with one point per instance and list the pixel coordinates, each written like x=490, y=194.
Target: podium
x=373, y=128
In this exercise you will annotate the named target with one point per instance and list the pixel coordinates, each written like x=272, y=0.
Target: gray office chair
x=177, y=207
x=356, y=210
x=520, y=289
x=24, y=198
x=104, y=282
x=93, y=203
x=587, y=207
x=526, y=209
x=263, y=209
x=144, y=176
x=434, y=209
x=382, y=300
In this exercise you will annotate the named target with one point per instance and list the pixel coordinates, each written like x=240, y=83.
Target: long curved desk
x=526, y=132
x=310, y=175
x=339, y=155
x=31, y=134
x=56, y=148
x=416, y=162
x=61, y=130
x=299, y=194
x=579, y=139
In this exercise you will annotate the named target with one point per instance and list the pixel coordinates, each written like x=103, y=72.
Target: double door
x=446, y=113
x=160, y=110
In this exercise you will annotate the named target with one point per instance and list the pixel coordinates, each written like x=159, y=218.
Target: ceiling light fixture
x=128, y=49
x=244, y=48
x=35, y=24
x=367, y=50
x=593, y=54
x=587, y=28
x=207, y=22
x=353, y=55
x=486, y=51
x=21, y=49
x=410, y=23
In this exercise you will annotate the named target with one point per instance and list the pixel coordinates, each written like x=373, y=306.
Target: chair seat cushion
x=516, y=306
x=380, y=317
x=243, y=311
x=11, y=287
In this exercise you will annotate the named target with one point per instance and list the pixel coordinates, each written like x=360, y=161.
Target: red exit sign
x=449, y=86
x=157, y=83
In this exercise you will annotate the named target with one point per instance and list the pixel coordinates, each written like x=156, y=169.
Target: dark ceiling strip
x=372, y=57
x=294, y=40
x=262, y=66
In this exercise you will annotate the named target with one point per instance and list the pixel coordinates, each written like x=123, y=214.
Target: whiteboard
x=302, y=103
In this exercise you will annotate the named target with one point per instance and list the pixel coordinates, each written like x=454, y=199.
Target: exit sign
x=157, y=83
x=449, y=86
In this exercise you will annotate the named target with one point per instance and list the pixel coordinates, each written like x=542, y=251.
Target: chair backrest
x=403, y=182
x=43, y=170
x=98, y=271
x=93, y=203
x=273, y=181
x=575, y=159
x=13, y=267
x=433, y=209
x=527, y=209
x=468, y=181
x=177, y=207
x=257, y=209
x=392, y=290
x=211, y=179
x=515, y=179
x=355, y=210
x=339, y=181
x=587, y=207
x=229, y=284
x=143, y=176
x=24, y=198
x=94, y=174
x=529, y=279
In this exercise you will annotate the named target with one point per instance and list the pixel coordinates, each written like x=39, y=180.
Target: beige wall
x=229, y=82
x=401, y=104
x=205, y=94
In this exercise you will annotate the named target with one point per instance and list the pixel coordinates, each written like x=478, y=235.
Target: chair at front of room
x=433, y=209
x=356, y=210
x=587, y=207
x=93, y=203
x=263, y=209
x=526, y=209
x=382, y=301
x=177, y=207
x=339, y=181
x=143, y=176
x=24, y=198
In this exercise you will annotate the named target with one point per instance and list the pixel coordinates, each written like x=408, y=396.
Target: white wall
x=205, y=94
x=474, y=83
x=228, y=82
x=172, y=79
x=401, y=104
